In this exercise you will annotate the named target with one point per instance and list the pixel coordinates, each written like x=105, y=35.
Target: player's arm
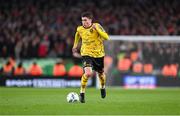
x=74, y=49
x=76, y=41
x=101, y=31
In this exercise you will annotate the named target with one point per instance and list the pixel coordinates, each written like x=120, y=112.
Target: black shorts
x=96, y=63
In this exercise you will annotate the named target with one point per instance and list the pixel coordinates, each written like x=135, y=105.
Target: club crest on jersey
x=91, y=30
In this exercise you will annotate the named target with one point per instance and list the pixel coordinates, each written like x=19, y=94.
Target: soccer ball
x=72, y=97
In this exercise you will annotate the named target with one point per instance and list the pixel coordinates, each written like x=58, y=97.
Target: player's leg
x=99, y=68
x=84, y=79
x=102, y=79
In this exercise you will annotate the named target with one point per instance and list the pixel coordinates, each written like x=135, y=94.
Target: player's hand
x=75, y=53
x=74, y=50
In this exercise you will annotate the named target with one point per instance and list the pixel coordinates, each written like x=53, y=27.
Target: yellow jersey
x=92, y=40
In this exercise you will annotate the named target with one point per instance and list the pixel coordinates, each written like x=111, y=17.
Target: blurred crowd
x=150, y=52
x=46, y=28
x=147, y=57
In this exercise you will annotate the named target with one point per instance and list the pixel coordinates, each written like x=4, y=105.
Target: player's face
x=86, y=22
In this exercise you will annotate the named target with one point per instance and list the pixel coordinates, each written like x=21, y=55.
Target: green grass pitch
x=44, y=101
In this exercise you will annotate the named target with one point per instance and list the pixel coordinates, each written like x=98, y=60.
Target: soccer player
x=92, y=51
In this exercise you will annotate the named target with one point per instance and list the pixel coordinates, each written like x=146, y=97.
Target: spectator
x=59, y=69
x=35, y=70
x=8, y=68
x=19, y=70
x=75, y=71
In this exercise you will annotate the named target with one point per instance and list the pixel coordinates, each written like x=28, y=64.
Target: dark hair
x=87, y=14
x=20, y=64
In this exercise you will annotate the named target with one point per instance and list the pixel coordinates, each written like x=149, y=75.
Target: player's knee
x=88, y=71
x=88, y=74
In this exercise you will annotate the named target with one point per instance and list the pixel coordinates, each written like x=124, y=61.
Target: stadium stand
x=44, y=28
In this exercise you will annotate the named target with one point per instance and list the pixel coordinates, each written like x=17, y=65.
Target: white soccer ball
x=72, y=97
